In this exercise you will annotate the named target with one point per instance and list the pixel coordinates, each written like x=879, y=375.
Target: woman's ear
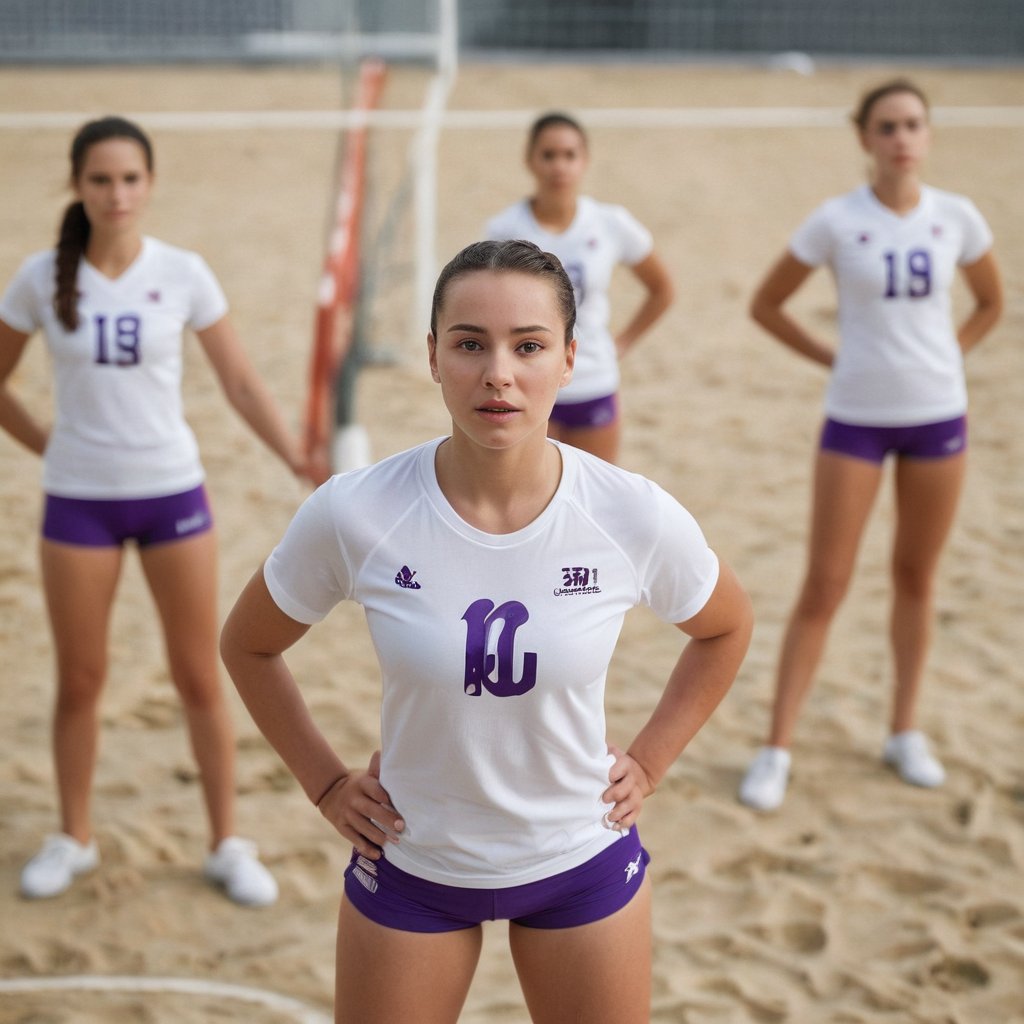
x=432, y=357
x=570, y=362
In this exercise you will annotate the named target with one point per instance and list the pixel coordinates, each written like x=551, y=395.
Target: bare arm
x=985, y=283
x=782, y=280
x=15, y=419
x=253, y=641
x=719, y=637
x=654, y=276
x=249, y=395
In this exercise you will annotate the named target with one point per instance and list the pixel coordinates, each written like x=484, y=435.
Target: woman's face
x=114, y=185
x=897, y=134
x=500, y=355
x=558, y=159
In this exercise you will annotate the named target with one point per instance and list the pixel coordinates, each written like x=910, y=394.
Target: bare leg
x=844, y=491
x=598, y=973
x=79, y=583
x=384, y=976
x=927, y=493
x=182, y=576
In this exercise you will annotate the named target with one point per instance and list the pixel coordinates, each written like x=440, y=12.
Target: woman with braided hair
x=120, y=465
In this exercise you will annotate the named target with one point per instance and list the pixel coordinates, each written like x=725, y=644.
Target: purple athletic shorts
x=394, y=898
x=922, y=441
x=598, y=412
x=103, y=523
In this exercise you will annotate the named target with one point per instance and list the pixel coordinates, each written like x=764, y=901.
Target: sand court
x=863, y=901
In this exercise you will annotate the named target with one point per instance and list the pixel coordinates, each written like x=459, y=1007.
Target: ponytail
x=74, y=228
x=71, y=243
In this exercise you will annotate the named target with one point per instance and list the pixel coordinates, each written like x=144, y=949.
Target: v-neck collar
x=556, y=234
x=127, y=272
x=902, y=218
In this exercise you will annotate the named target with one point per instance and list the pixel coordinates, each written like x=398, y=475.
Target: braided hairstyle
x=73, y=236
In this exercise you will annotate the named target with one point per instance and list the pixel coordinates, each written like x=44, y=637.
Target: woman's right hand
x=359, y=807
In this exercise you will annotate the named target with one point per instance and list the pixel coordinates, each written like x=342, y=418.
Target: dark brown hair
x=554, y=119
x=862, y=114
x=512, y=256
x=73, y=236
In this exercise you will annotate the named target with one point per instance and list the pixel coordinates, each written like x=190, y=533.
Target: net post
x=339, y=279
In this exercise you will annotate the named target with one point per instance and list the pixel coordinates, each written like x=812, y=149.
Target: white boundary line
x=476, y=120
x=302, y=1013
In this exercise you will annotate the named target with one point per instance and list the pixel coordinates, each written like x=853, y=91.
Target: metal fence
x=182, y=30
x=926, y=28
x=83, y=31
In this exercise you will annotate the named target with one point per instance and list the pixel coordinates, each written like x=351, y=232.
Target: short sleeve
x=19, y=307
x=682, y=570
x=811, y=243
x=635, y=242
x=307, y=573
x=977, y=235
x=209, y=302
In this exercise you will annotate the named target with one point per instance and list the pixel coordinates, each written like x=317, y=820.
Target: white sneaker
x=235, y=866
x=908, y=753
x=52, y=870
x=764, y=785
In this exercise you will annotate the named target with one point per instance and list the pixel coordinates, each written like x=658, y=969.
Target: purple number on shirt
x=919, y=274
x=493, y=672
x=117, y=344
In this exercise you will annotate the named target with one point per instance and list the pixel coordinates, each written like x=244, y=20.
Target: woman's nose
x=498, y=372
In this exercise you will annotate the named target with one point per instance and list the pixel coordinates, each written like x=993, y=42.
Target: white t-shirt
x=120, y=431
x=600, y=236
x=898, y=361
x=493, y=649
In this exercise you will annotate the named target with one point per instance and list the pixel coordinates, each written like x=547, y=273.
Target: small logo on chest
x=576, y=580
x=404, y=578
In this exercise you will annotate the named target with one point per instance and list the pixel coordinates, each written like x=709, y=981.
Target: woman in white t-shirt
x=896, y=388
x=120, y=465
x=494, y=567
x=590, y=238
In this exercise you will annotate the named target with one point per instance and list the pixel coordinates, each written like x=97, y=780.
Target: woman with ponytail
x=121, y=465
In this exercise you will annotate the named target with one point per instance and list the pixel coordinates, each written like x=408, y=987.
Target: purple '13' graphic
x=480, y=618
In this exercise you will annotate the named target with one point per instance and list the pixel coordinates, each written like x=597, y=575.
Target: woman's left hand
x=629, y=787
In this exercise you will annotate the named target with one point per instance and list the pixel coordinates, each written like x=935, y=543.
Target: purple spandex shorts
x=581, y=895
x=598, y=412
x=923, y=441
x=110, y=523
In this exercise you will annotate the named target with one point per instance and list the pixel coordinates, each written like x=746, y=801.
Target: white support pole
x=425, y=160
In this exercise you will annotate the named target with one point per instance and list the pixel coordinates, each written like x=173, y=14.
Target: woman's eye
x=530, y=346
x=470, y=344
